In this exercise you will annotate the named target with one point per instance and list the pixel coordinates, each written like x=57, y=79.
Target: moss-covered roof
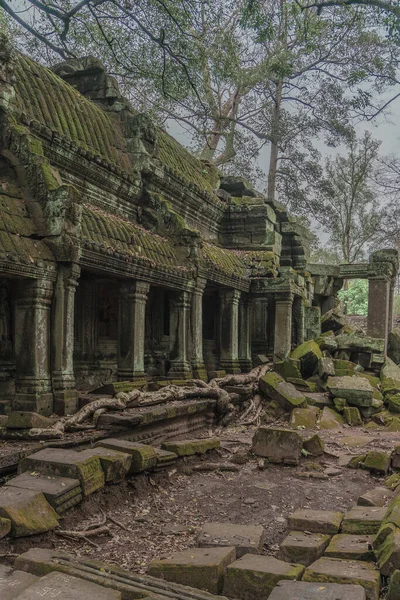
x=113, y=235
x=241, y=263
x=17, y=230
x=46, y=98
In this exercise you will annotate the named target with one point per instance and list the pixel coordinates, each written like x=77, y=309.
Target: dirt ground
x=155, y=515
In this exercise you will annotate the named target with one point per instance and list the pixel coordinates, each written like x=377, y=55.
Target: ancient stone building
x=122, y=255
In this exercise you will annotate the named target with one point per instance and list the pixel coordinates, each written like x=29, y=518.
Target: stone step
x=191, y=447
x=304, y=547
x=302, y=590
x=143, y=456
x=12, y=583
x=363, y=520
x=66, y=587
x=60, y=492
x=116, y=465
x=354, y=547
x=28, y=511
x=247, y=539
x=379, y=496
x=40, y=561
x=316, y=521
x=335, y=570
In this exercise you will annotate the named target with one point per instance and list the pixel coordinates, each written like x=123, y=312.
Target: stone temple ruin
x=134, y=275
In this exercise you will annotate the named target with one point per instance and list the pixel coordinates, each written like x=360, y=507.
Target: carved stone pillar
x=378, y=308
x=391, y=300
x=196, y=327
x=259, y=311
x=62, y=340
x=283, y=325
x=245, y=361
x=131, y=330
x=179, y=335
x=229, y=330
x=32, y=346
x=298, y=322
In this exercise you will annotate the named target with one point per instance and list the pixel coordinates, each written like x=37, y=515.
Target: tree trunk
x=274, y=148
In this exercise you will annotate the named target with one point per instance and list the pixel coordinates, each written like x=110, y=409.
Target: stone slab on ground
x=247, y=539
x=304, y=590
x=115, y=464
x=60, y=492
x=314, y=445
x=304, y=417
x=318, y=399
x=315, y=521
x=379, y=496
x=304, y=547
x=144, y=456
x=273, y=386
x=28, y=511
x=357, y=391
x=27, y=420
x=335, y=570
x=13, y=583
x=278, y=445
x=377, y=462
x=363, y=520
x=330, y=419
x=65, y=587
x=203, y=568
x=396, y=457
x=67, y=463
x=353, y=547
x=253, y=577
x=191, y=447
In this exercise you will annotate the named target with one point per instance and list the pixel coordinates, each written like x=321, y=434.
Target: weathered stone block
x=340, y=404
x=67, y=463
x=309, y=354
x=5, y=527
x=60, y=492
x=320, y=400
x=164, y=459
x=393, y=481
x=288, y=368
x=278, y=445
x=357, y=391
x=27, y=420
x=304, y=590
x=28, y=511
x=202, y=568
x=304, y=547
x=315, y=521
x=353, y=547
x=314, y=445
x=304, y=417
x=247, y=539
x=332, y=321
x=191, y=447
x=65, y=587
x=330, y=419
x=394, y=586
x=115, y=464
x=326, y=368
x=379, y=496
x=335, y=570
x=12, y=583
x=275, y=387
x=144, y=457
x=387, y=548
x=352, y=416
x=362, y=520
x=254, y=577
x=390, y=378
x=377, y=462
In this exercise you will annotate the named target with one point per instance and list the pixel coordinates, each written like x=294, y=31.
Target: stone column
x=131, y=330
x=196, y=327
x=283, y=325
x=378, y=308
x=391, y=301
x=245, y=361
x=62, y=340
x=179, y=335
x=260, y=325
x=298, y=318
x=32, y=346
x=229, y=330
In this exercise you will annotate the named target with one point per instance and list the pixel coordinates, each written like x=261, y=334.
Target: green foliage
x=355, y=297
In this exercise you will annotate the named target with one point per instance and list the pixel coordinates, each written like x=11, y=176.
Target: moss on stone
x=393, y=481
x=191, y=447
x=352, y=416
x=377, y=462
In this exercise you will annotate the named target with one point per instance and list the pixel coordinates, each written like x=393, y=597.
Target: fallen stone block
x=357, y=391
x=377, y=361
x=191, y=447
x=202, y=568
x=314, y=445
x=278, y=445
x=353, y=342
x=144, y=457
x=386, y=546
x=61, y=492
x=340, y=404
x=320, y=400
x=66, y=463
x=352, y=416
x=65, y=587
x=343, y=365
x=326, y=368
x=304, y=547
x=309, y=354
x=394, y=586
x=28, y=420
x=394, y=424
x=165, y=459
x=305, y=418
x=379, y=496
x=335, y=570
x=276, y=388
x=12, y=583
x=393, y=402
x=247, y=539
x=304, y=590
x=373, y=380
x=330, y=419
x=353, y=547
x=396, y=457
x=28, y=511
x=390, y=378
x=332, y=321
x=316, y=521
x=377, y=462
x=253, y=577
x=5, y=527
x=288, y=368
x=115, y=464
x=393, y=481
x=362, y=520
